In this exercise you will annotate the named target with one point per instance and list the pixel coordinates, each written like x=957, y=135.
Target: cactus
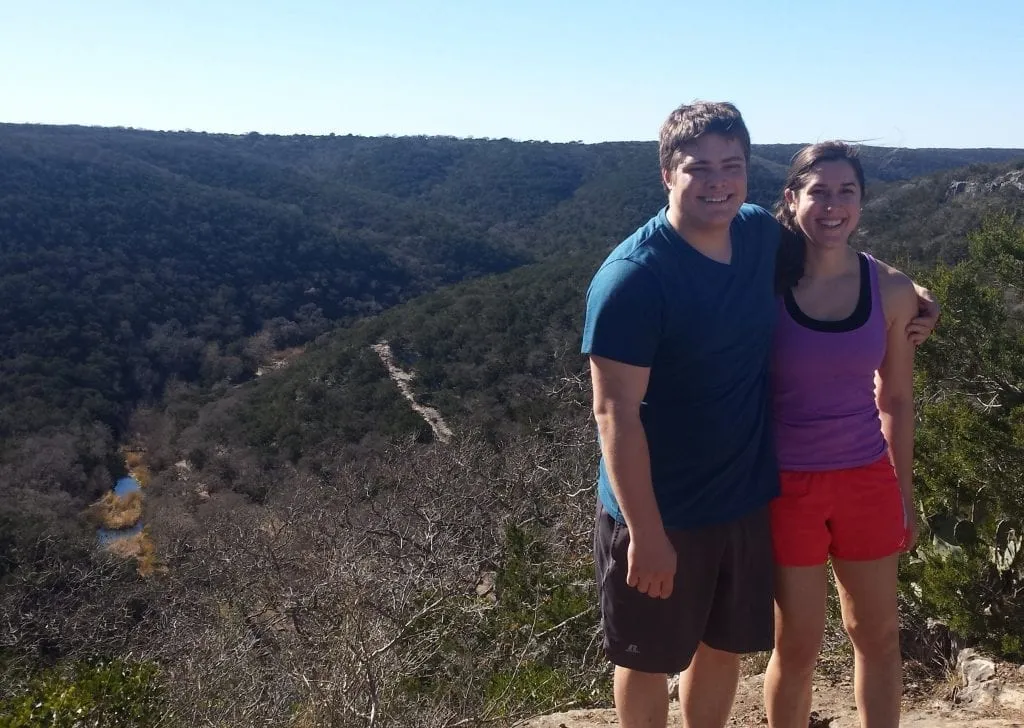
x=1006, y=551
x=1007, y=548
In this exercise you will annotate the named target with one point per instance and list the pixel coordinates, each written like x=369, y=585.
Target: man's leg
x=741, y=621
x=641, y=698
x=868, y=594
x=647, y=637
x=707, y=688
x=800, y=594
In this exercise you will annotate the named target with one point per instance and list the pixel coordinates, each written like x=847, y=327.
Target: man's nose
x=715, y=177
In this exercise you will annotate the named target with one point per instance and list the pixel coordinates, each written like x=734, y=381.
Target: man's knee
x=724, y=658
x=629, y=675
x=631, y=683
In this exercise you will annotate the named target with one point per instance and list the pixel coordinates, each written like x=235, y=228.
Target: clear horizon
x=918, y=75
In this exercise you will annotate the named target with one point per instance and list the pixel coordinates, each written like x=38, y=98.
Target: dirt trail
x=833, y=704
x=402, y=379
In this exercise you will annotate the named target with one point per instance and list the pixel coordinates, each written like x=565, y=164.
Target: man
x=678, y=330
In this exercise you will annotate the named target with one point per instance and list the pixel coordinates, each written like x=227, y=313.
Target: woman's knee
x=878, y=638
x=797, y=652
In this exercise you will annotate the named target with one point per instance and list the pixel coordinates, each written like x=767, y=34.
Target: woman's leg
x=800, y=593
x=867, y=591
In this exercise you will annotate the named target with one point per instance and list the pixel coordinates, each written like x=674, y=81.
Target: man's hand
x=921, y=327
x=652, y=565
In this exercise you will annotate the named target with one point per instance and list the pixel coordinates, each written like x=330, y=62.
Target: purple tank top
x=823, y=382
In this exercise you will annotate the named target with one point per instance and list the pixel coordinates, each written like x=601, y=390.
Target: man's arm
x=926, y=318
x=618, y=392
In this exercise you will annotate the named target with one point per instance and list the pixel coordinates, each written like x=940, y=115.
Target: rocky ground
x=981, y=693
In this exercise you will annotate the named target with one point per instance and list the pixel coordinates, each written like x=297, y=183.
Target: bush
x=108, y=694
x=968, y=570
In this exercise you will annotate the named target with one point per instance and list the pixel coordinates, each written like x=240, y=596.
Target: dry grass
x=141, y=474
x=755, y=663
x=116, y=512
x=138, y=546
x=134, y=461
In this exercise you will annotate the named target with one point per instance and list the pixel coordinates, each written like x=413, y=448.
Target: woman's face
x=827, y=206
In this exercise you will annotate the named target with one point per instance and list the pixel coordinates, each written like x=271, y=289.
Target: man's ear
x=666, y=178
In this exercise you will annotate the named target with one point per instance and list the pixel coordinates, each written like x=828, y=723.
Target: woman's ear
x=790, y=197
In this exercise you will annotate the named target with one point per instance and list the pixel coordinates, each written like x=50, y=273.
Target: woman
x=844, y=416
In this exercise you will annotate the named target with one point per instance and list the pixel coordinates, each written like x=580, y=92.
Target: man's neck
x=715, y=243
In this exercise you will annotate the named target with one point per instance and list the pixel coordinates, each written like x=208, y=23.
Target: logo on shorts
x=633, y=650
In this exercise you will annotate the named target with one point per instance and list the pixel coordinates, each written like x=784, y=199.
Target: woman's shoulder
x=897, y=290
x=892, y=277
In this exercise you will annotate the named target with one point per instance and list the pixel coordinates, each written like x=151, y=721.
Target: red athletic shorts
x=854, y=514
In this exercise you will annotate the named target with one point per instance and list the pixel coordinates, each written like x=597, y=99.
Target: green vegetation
x=927, y=220
x=325, y=558
x=111, y=694
x=970, y=446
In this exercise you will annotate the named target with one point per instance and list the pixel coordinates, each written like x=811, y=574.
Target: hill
x=928, y=218
x=314, y=548
x=129, y=259
x=486, y=351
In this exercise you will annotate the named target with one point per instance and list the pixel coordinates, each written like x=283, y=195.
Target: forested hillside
x=928, y=219
x=314, y=548
x=131, y=258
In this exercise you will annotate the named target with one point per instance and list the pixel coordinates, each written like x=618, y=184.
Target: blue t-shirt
x=704, y=329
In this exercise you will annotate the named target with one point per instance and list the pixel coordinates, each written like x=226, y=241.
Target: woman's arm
x=894, y=386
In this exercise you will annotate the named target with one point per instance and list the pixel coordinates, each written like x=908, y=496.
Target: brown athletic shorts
x=722, y=594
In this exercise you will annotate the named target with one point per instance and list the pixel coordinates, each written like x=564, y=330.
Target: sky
x=913, y=73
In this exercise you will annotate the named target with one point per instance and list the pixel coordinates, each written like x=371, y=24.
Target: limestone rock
x=673, y=687
x=973, y=668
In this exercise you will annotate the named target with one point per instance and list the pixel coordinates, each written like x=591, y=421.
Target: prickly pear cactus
x=1007, y=547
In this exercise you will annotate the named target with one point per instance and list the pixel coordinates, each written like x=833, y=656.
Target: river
x=123, y=487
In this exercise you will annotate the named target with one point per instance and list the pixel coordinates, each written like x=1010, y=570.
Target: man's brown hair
x=691, y=121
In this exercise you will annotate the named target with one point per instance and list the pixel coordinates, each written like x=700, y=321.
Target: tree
x=970, y=445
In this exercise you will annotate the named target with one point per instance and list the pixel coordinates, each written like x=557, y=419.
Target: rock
x=1013, y=179
x=973, y=668
x=1011, y=699
x=981, y=687
x=673, y=687
x=979, y=695
x=485, y=585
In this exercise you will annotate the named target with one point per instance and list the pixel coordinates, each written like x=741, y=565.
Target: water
x=123, y=487
x=127, y=485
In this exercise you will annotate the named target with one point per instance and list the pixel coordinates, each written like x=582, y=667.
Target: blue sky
x=940, y=73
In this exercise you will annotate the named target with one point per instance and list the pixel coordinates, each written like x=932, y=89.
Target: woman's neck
x=826, y=263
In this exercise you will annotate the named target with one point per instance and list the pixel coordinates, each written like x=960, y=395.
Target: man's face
x=709, y=182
